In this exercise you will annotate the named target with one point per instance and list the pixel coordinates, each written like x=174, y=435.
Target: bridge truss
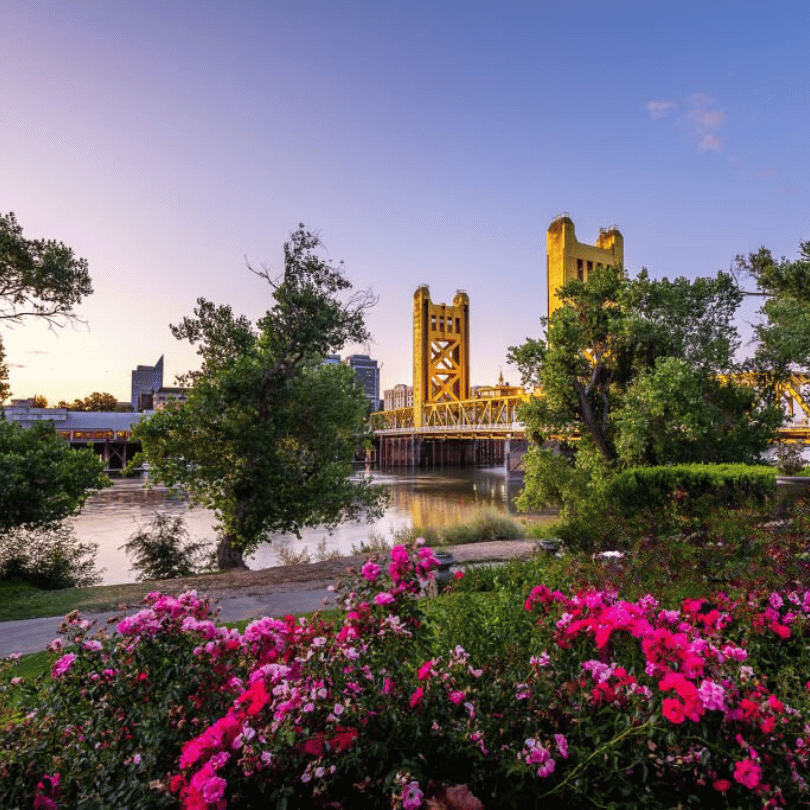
x=494, y=414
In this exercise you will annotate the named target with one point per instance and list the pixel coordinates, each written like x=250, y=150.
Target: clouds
x=658, y=109
x=700, y=120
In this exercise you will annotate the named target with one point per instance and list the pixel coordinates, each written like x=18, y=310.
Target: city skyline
x=426, y=143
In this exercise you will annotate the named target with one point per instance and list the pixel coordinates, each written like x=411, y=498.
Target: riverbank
x=29, y=603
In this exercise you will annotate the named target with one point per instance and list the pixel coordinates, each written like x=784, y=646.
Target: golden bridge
x=451, y=424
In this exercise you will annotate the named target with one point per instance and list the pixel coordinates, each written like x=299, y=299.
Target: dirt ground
x=318, y=574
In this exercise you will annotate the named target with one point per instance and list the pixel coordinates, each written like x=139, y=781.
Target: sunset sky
x=427, y=142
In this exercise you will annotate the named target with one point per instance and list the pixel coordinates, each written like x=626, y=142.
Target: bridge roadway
x=486, y=429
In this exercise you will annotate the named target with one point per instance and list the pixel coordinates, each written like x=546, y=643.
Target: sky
x=170, y=144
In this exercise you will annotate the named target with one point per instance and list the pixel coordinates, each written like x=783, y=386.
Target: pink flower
x=425, y=671
x=748, y=773
x=713, y=696
x=412, y=796
x=673, y=710
x=214, y=789
x=562, y=745
x=47, y=793
x=456, y=697
x=458, y=575
x=370, y=571
x=383, y=598
x=416, y=697
x=63, y=665
x=722, y=785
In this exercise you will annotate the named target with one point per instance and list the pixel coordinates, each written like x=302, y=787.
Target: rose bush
x=579, y=698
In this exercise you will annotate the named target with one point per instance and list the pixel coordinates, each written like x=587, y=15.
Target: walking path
x=256, y=598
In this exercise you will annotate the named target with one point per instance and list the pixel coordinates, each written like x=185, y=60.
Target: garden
x=672, y=672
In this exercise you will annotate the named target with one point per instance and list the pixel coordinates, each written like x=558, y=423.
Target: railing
x=497, y=415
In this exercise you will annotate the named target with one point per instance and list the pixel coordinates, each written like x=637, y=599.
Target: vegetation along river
x=421, y=498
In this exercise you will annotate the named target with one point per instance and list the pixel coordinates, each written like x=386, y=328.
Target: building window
x=590, y=267
x=580, y=271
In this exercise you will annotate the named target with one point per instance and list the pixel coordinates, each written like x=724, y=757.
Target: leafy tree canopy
x=44, y=479
x=266, y=435
x=783, y=278
x=5, y=388
x=96, y=401
x=635, y=368
x=783, y=335
x=39, y=277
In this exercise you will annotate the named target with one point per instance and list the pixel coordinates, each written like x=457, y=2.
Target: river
x=416, y=498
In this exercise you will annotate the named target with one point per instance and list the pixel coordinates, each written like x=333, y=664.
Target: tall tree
x=636, y=369
x=266, y=435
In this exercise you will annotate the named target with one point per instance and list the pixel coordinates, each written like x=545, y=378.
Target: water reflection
x=431, y=498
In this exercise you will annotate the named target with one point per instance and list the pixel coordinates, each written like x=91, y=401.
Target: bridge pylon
x=441, y=351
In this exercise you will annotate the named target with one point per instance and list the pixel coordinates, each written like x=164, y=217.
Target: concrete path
x=33, y=635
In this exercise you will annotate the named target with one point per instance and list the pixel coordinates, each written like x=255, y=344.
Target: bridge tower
x=569, y=259
x=441, y=351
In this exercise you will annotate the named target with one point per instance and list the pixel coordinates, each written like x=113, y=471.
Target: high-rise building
x=368, y=375
x=146, y=380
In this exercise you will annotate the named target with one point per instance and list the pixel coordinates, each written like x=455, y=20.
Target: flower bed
x=582, y=700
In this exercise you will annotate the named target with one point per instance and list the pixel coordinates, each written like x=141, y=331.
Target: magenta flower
x=63, y=665
x=748, y=773
x=412, y=796
x=370, y=571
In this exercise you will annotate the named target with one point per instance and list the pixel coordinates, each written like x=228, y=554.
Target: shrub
x=574, y=698
x=789, y=459
x=163, y=550
x=49, y=557
x=665, y=501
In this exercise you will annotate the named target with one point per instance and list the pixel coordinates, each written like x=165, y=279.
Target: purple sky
x=428, y=142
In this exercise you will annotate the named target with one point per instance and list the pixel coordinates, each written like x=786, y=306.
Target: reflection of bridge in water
x=447, y=426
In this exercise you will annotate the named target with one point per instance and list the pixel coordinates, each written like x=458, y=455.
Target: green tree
x=637, y=371
x=266, y=435
x=783, y=335
x=5, y=389
x=672, y=414
x=94, y=402
x=44, y=479
x=39, y=277
x=164, y=549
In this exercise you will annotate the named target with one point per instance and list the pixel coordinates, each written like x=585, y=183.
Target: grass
x=23, y=601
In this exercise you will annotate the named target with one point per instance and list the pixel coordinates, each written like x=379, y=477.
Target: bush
x=164, y=550
x=48, y=557
x=574, y=698
x=662, y=502
x=789, y=459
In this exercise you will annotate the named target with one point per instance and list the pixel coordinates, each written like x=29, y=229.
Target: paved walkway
x=32, y=635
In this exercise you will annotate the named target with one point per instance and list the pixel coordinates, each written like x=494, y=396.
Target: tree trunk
x=229, y=557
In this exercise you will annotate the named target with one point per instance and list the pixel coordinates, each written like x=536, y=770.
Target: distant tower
x=441, y=350
x=567, y=259
x=146, y=379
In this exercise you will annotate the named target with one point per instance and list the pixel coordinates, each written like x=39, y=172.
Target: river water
x=416, y=498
